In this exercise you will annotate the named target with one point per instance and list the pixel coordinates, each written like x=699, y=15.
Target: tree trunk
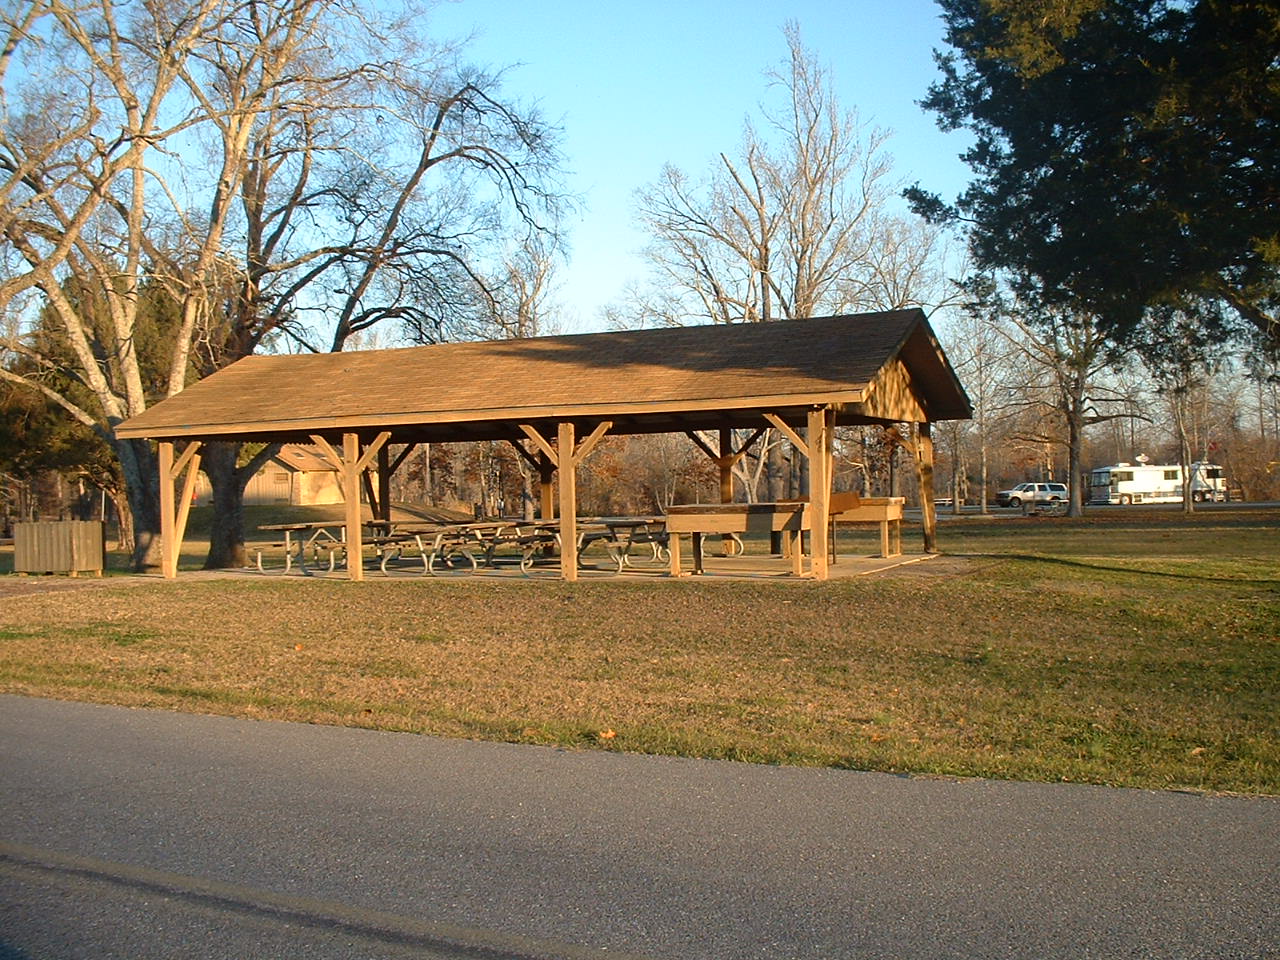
x=1180, y=417
x=982, y=453
x=528, y=490
x=124, y=519
x=226, y=526
x=1184, y=461
x=1075, y=456
x=141, y=471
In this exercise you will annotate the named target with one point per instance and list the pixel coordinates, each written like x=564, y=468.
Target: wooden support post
x=351, y=465
x=548, y=460
x=384, y=483
x=351, y=471
x=727, y=458
x=546, y=488
x=924, y=475
x=784, y=428
x=568, y=502
x=168, y=522
x=540, y=462
x=566, y=455
x=820, y=443
x=725, y=462
x=190, y=461
x=817, y=451
x=370, y=493
x=173, y=515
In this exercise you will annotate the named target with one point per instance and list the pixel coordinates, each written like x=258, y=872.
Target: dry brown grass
x=1151, y=671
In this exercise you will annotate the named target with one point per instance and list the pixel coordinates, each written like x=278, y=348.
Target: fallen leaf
x=606, y=734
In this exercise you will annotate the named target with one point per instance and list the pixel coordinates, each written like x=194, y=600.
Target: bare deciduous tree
x=1181, y=355
x=797, y=223
x=979, y=350
x=1060, y=360
x=790, y=226
x=93, y=102
x=270, y=163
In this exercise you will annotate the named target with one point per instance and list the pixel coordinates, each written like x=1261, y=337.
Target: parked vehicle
x=1032, y=493
x=1127, y=483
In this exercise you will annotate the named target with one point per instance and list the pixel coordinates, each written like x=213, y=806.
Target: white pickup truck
x=1032, y=493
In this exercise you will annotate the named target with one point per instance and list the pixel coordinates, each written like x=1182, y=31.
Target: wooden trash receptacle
x=59, y=546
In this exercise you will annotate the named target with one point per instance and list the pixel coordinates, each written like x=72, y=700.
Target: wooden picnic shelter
x=560, y=396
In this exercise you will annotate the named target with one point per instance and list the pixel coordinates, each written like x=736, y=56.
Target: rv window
x=1121, y=475
x=1171, y=474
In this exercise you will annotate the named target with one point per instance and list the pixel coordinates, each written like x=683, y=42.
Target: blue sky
x=638, y=85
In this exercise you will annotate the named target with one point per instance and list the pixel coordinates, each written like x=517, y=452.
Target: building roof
x=303, y=459
x=877, y=367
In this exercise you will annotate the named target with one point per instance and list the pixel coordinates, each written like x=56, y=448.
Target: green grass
x=1138, y=649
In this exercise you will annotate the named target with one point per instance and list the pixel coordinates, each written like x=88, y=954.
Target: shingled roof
x=677, y=378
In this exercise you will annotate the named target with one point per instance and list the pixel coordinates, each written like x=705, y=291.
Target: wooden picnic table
x=448, y=545
x=329, y=536
x=885, y=511
x=320, y=533
x=620, y=534
x=791, y=517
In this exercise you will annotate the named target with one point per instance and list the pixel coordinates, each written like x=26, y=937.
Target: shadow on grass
x=1137, y=571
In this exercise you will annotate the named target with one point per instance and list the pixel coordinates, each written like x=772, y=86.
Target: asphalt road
x=140, y=834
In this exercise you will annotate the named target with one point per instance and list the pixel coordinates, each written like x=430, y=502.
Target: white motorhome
x=1155, y=483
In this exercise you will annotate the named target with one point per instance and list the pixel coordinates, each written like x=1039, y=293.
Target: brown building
x=298, y=475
